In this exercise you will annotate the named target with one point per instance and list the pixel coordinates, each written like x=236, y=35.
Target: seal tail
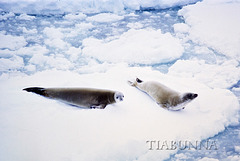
x=37, y=90
x=134, y=83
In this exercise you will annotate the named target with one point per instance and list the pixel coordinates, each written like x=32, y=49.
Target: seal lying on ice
x=164, y=96
x=83, y=97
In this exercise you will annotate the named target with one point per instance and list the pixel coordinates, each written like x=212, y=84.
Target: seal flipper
x=135, y=82
x=101, y=106
x=131, y=83
x=37, y=90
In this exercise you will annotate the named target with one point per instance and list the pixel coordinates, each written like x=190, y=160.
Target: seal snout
x=118, y=96
x=195, y=95
x=139, y=80
x=189, y=96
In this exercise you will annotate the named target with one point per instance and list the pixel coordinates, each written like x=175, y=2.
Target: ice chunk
x=135, y=25
x=29, y=31
x=222, y=75
x=30, y=68
x=181, y=27
x=57, y=43
x=105, y=17
x=12, y=42
x=6, y=53
x=78, y=16
x=217, y=27
x=74, y=53
x=55, y=38
x=145, y=46
x=237, y=149
x=58, y=61
x=233, y=158
x=31, y=50
x=208, y=159
x=12, y=63
x=87, y=6
x=53, y=32
x=7, y=16
x=25, y=17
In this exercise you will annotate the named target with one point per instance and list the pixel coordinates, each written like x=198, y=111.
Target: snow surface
x=135, y=46
x=12, y=42
x=89, y=6
x=50, y=130
x=218, y=26
x=212, y=75
x=105, y=17
x=188, y=50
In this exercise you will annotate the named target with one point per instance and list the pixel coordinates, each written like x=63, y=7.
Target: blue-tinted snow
x=74, y=31
x=87, y=6
x=58, y=37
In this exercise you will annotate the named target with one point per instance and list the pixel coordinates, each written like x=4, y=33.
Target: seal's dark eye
x=117, y=97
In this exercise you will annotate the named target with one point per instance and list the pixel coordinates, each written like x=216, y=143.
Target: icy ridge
x=72, y=6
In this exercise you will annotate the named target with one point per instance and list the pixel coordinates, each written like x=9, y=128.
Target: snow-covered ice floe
x=217, y=27
x=103, y=44
x=69, y=6
x=50, y=130
x=135, y=46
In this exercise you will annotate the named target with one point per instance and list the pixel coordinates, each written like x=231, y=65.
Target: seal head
x=118, y=96
x=189, y=96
